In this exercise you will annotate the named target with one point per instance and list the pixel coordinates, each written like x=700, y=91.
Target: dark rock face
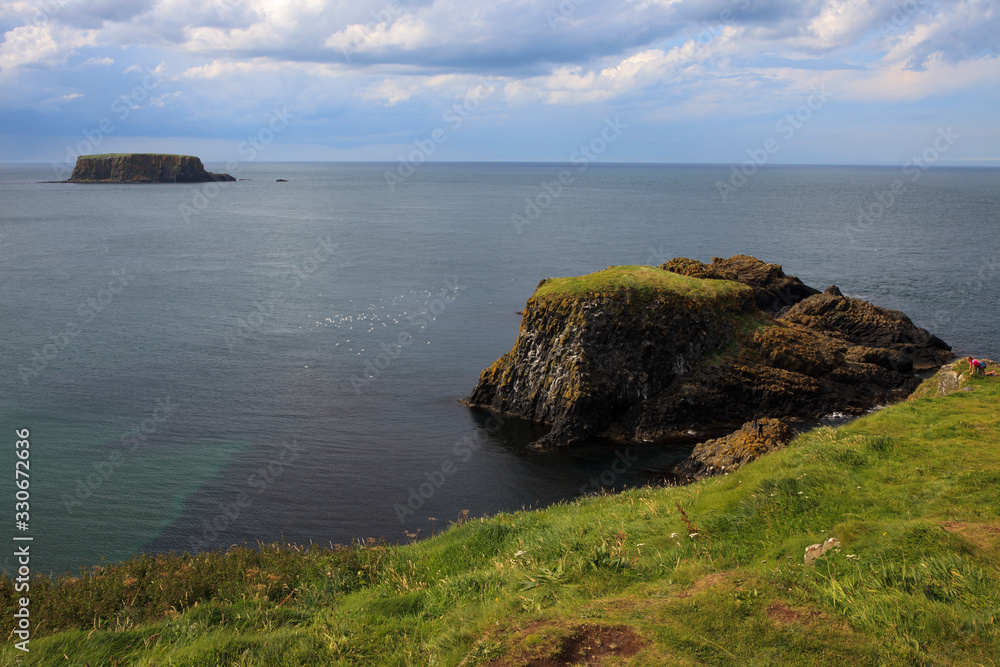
x=142, y=168
x=646, y=368
x=779, y=370
x=862, y=323
x=772, y=289
x=581, y=363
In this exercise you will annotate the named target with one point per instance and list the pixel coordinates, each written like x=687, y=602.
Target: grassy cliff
x=590, y=348
x=706, y=574
x=643, y=280
x=644, y=354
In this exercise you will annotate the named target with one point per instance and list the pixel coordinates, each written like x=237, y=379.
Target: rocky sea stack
x=142, y=168
x=642, y=353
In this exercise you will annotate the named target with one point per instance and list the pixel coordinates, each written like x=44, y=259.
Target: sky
x=664, y=81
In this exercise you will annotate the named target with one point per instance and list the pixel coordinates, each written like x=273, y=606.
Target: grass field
x=641, y=279
x=706, y=574
x=104, y=155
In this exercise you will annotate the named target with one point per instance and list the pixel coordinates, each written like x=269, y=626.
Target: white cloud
x=967, y=31
x=841, y=22
x=897, y=82
x=163, y=100
x=392, y=64
x=223, y=69
x=41, y=45
x=650, y=67
x=409, y=32
x=98, y=62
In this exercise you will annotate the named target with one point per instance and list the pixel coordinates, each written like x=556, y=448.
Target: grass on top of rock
x=104, y=155
x=646, y=280
x=706, y=574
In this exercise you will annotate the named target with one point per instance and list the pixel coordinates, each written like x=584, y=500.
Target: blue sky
x=804, y=81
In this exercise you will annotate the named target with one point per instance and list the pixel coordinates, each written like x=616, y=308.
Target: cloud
x=936, y=76
x=98, y=62
x=224, y=69
x=56, y=103
x=376, y=70
x=523, y=37
x=41, y=46
x=163, y=100
x=969, y=30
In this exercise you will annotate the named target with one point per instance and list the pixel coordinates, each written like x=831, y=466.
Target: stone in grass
x=814, y=551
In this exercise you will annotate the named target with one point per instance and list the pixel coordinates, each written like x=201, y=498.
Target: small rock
x=814, y=551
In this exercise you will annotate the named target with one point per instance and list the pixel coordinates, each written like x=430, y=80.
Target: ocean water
x=206, y=365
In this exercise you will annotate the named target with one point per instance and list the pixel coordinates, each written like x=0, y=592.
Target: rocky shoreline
x=644, y=354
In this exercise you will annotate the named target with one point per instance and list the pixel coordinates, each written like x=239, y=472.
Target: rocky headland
x=142, y=168
x=647, y=354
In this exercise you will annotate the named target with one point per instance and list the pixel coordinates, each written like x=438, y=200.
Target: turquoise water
x=292, y=354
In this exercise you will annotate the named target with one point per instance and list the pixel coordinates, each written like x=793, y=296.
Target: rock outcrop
x=647, y=353
x=583, y=360
x=896, y=338
x=749, y=442
x=950, y=378
x=772, y=289
x=142, y=168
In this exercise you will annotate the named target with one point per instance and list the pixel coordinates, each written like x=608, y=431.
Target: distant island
x=142, y=168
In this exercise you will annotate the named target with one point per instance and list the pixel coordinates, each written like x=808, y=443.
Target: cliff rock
x=583, y=357
x=772, y=289
x=725, y=454
x=142, y=168
x=865, y=324
x=647, y=353
x=950, y=378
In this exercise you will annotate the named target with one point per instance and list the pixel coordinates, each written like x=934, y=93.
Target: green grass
x=647, y=280
x=104, y=155
x=910, y=492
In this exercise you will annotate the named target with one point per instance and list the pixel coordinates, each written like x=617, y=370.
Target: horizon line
x=885, y=163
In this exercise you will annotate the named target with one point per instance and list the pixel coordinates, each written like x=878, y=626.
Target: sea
x=196, y=366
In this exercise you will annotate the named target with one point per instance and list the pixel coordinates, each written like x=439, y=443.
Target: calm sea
x=206, y=365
